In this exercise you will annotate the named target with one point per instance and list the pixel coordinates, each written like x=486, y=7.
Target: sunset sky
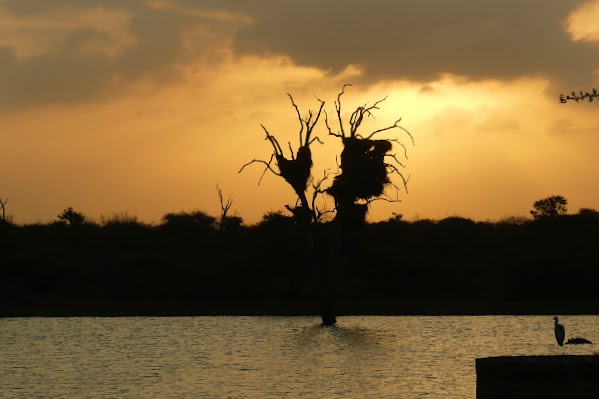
x=145, y=106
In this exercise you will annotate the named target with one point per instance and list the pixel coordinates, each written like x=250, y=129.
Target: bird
x=577, y=341
x=560, y=332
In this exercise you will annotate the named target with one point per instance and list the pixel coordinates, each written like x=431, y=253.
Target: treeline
x=193, y=263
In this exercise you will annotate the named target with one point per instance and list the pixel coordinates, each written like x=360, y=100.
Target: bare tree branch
x=317, y=191
x=385, y=198
x=395, y=125
x=299, y=117
x=311, y=123
x=331, y=133
x=316, y=139
x=307, y=123
x=357, y=116
x=273, y=141
x=224, y=205
x=398, y=172
x=268, y=167
x=396, y=160
x=405, y=150
x=338, y=109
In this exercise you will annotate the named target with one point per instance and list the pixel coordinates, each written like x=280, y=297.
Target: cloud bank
x=90, y=50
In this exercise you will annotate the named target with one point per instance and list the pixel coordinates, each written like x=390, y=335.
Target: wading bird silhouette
x=560, y=333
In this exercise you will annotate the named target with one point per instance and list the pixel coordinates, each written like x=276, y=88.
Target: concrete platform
x=565, y=376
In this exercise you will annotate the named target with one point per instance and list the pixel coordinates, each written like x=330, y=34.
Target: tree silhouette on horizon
x=365, y=168
x=549, y=207
x=3, y=206
x=72, y=217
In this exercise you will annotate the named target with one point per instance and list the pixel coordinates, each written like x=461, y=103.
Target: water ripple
x=264, y=357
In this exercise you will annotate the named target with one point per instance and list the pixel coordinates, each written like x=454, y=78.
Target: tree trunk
x=321, y=266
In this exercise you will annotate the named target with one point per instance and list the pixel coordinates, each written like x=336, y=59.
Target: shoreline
x=74, y=307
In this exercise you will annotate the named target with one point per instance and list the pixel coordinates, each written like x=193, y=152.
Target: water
x=266, y=357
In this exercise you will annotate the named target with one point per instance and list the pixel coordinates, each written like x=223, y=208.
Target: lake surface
x=266, y=357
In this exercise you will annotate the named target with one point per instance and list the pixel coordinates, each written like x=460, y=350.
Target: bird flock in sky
x=579, y=97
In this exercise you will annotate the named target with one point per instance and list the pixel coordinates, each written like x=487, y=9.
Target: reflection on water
x=266, y=357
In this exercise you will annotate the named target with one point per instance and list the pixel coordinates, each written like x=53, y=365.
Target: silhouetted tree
x=276, y=219
x=3, y=206
x=122, y=218
x=296, y=171
x=589, y=213
x=365, y=173
x=73, y=218
x=516, y=220
x=365, y=170
x=190, y=220
x=229, y=223
x=552, y=206
x=366, y=166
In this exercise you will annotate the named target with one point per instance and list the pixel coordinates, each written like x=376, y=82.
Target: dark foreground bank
x=453, y=266
x=549, y=377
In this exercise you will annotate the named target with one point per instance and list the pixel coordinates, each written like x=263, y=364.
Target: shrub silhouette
x=72, y=217
x=120, y=219
x=588, y=213
x=190, y=220
x=276, y=220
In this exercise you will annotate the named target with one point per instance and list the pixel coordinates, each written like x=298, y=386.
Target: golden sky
x=145, y=106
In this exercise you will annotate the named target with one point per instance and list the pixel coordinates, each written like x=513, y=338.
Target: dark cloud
x=419, y=40
x=26, y=7
x=52, y=78
x=37, y=7
x=68, y=74
x=403, y=39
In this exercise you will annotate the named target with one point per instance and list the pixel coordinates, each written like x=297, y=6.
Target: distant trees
x=276, y=220
x=73, y=218
x=589, y=213
x=189, y=220
x=119, y=218
x=552, y=206
x=261, y=269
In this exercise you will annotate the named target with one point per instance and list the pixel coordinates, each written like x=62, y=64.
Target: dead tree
x=224, y=205
x=366, y=166
x=3, y=206
x=295, y=170
x=227, y=222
